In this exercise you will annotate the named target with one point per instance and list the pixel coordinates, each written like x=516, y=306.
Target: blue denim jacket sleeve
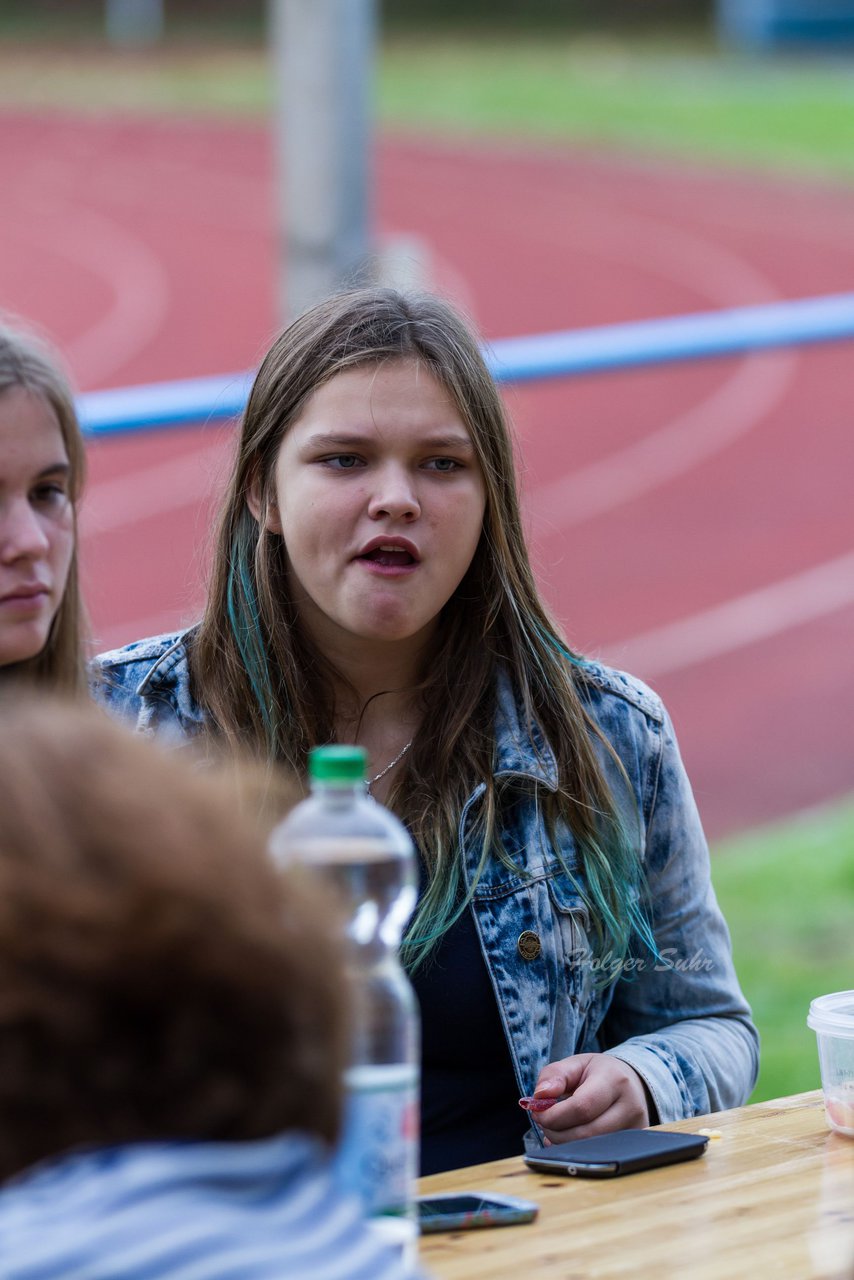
x=680, y=1019
x=147, y=684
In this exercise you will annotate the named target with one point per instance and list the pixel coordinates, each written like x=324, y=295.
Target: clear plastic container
x=365, y=860
x=832, y=1019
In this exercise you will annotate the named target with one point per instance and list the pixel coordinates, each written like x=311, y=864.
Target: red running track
x=694, y=524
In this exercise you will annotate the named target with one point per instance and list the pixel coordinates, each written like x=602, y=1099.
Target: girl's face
x=36, y=523
x=379, y=498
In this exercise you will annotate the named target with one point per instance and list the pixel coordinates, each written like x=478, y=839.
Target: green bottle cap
x=338, y=765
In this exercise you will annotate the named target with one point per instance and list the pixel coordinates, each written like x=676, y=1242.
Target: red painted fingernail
x=536, y=1104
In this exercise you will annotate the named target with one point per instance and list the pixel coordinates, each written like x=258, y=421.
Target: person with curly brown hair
x=172, y=1023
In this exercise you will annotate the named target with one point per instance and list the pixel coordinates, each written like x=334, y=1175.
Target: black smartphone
x=612, y=1154
x=458, y=1211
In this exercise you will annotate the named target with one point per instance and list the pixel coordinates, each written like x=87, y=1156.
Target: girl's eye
x=50, y=495
x=445, y=465
x=342, y=461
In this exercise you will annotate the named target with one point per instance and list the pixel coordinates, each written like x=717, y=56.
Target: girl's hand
x=597, y=1093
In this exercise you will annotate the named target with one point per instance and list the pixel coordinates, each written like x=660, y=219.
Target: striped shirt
x=265, y=1210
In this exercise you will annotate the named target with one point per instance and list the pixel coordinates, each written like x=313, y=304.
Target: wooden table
x=772, y=1199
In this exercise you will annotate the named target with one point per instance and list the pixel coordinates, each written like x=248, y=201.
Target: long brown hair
x=264, y=685
x=25, y=361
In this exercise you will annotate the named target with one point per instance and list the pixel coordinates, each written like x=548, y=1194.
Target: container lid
x=833, y=1015
x=338, y=765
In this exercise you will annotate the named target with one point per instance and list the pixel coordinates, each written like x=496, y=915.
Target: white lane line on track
x=134, y=275
x=756, y=386
x=734, y=408
x=744, y=620
x=154, y=491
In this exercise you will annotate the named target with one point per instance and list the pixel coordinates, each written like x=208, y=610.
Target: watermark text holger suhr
x=668, y=960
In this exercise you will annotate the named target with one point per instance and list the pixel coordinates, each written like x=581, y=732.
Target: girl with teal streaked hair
x=372, y=584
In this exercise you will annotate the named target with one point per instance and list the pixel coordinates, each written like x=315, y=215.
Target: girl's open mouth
x=390, y=557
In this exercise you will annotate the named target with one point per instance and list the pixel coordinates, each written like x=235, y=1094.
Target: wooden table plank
x=772, y=1199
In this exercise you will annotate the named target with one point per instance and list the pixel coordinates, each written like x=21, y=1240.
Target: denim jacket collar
x=521, y=748
x=163, y=696
x=169, y=669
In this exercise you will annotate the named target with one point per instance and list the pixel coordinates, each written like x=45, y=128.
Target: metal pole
x=134, y=23
x=323, y=52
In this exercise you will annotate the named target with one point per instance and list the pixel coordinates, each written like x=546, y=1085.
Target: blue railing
x=547, y=355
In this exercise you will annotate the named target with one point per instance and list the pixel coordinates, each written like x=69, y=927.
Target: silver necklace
x=382, y=773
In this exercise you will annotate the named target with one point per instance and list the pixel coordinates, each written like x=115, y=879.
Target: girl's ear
x=266, y=513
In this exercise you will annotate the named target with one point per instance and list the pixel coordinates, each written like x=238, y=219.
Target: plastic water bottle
x=365, y=856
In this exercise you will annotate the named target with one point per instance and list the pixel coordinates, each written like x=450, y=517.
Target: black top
x=469, y=1096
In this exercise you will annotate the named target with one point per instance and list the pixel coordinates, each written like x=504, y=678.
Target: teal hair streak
x=620, y=863
x=440, y=908
x=248, y=637
x=619, y=859
x=437, y=912
x=553, y=643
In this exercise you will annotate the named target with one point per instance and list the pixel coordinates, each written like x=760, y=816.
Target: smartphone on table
x=461, y=1210
x=613, y=1154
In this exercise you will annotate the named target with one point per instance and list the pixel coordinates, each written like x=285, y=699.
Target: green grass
x=681, y=99
x=678, y=98
x=787, y=892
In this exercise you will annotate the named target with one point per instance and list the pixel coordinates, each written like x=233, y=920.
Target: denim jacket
x=679, y=1019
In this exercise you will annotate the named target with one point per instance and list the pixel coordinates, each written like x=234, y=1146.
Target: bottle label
x=378, y=1155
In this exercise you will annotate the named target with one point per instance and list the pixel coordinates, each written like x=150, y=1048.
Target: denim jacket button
x=529, y=945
